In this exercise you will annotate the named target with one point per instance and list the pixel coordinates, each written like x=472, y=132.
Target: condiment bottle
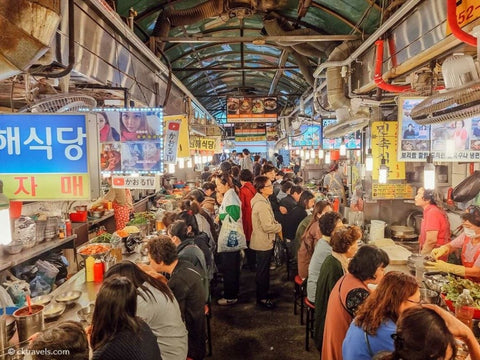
x=98, y=271
x=464, y=308
x=89, y=263
x=68, y=227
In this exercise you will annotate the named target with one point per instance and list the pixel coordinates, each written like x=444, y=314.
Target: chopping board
x=398, y=254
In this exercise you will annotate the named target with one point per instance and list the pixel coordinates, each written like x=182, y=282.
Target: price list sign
x=392, y=191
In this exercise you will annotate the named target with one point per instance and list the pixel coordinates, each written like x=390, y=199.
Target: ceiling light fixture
x=429, y=174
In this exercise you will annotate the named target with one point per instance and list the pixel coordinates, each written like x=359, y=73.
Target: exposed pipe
x=378, y=73
x=456, y=30
x=390, y=22
x=71, y=46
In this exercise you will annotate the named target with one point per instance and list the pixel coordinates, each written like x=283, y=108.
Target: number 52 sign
x=467, y=11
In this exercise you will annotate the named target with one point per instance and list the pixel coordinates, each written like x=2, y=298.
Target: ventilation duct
x=28, y=27
x=347, y=123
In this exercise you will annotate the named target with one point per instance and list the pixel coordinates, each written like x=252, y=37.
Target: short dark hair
x=235, y=170
x=267, y=168
x=209, y=185
x=256, y=158
x=246, y=175
x=259, y=182
x=197, y=195
x=68, y=335
x=297, y=180
x=246, y=152
x=366, y=262
x=280, y=173
x=286, y=185
x=472, y=215
x=328, y=222
x=162, y=248
x=344, y=237
x=296, y=189
x=289, y=176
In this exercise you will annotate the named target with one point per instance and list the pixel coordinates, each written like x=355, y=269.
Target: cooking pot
x=414, y=219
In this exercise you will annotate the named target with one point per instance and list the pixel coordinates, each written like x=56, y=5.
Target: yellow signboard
x=384, y=145
x=392, y=191
x=467, y=11
x=31, y=187
x=203, y=144
x=183, y=135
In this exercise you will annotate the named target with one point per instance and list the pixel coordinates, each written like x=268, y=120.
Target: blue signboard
x=43, y=143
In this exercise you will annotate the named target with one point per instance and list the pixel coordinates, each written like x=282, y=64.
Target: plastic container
x=15, y=209
x=68, y=227
x=98, y=268
x=464, y=308
x=89, y=264
x=79, y=216
x=377, y=230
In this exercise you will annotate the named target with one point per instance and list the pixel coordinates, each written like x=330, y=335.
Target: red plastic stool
x=309, y=322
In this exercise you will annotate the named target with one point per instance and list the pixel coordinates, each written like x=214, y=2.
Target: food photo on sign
x=111, y=157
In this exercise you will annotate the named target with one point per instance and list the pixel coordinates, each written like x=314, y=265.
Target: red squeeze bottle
x=68, y=227
x=98, y=271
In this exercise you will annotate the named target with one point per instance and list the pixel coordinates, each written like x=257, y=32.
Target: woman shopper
x=429, y=332
x=229, y=211
x=367, y=267
x=117, y=333
x=371, y=330
x=246, y=194
x=264, y=228
x=344, y=244
x=310, y=235
x=157, y=306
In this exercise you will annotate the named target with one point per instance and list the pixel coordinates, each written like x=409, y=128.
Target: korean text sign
x=44, y=156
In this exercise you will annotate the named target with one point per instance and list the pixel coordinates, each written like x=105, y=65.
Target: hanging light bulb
x=327, y=158
x=369, y=161
x=209, y=158
x=204, y=160
x=302, y=154
x=383, y=173
x=320, y=154
x=181, y=163
x=189, y=163
x=358, y=153
x=312, y=153
x=306, y=155
x=171, y=168
x=429, y=174
x=297, y=151
x=343, y=149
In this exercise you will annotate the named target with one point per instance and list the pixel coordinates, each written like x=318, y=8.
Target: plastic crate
x=79, y=216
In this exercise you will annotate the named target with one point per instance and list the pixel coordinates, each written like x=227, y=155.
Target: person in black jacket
x=117, y=333
x=291, y=220
x=186, y=284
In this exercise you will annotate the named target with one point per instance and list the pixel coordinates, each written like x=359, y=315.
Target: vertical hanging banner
x=183, y=149
x=171, y=141
x=384, y=144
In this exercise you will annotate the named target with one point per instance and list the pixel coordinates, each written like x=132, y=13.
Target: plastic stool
x=299, y=294
x=309, y=322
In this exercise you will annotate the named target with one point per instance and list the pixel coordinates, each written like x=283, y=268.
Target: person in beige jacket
x=264, y=228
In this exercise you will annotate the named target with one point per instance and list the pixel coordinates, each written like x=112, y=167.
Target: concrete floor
x=244, y=331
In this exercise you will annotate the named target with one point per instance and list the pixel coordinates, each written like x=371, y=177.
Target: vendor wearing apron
x=122, y=204
x=469, y=242
x=435, y=228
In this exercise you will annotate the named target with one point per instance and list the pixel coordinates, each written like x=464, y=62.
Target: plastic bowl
x=451, y=307
x=13, y=248
x=98, y=255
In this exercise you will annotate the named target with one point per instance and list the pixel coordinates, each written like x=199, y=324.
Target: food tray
x=97, y=255
x=451, y=306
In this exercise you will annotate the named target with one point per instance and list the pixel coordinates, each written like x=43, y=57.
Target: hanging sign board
x=134, y=182
x=250, y=132
x=467, y=11
x=251, y=109
x=453, y=141
x=171, y=141
x=384, y=144
x=198, y=143
x=183, y=136
x=392, y=191
x=47, y=156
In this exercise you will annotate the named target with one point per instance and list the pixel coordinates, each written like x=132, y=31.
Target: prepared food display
x=93, y=249
x=102, y=238
x=454, y=287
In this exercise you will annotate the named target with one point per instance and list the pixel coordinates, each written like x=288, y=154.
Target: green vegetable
x=455, y=287
x=103, y=238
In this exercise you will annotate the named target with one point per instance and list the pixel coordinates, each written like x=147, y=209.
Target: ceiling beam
x=258, y=40
x=232, y=68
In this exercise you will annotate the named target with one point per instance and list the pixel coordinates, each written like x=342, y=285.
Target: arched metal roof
x=219, y=48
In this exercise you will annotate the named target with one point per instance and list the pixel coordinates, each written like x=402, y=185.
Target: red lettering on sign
x=72, y=185
x=21, y=185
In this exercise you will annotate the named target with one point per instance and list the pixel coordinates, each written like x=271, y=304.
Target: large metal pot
x=29, y=324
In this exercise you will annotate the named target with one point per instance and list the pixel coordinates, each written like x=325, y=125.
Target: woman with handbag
x=231, y=238
x=264, y=228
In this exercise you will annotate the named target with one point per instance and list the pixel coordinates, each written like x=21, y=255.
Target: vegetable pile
x=455, y=287
x=103, y=238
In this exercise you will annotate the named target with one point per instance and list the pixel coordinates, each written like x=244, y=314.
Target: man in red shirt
x=435, y=229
